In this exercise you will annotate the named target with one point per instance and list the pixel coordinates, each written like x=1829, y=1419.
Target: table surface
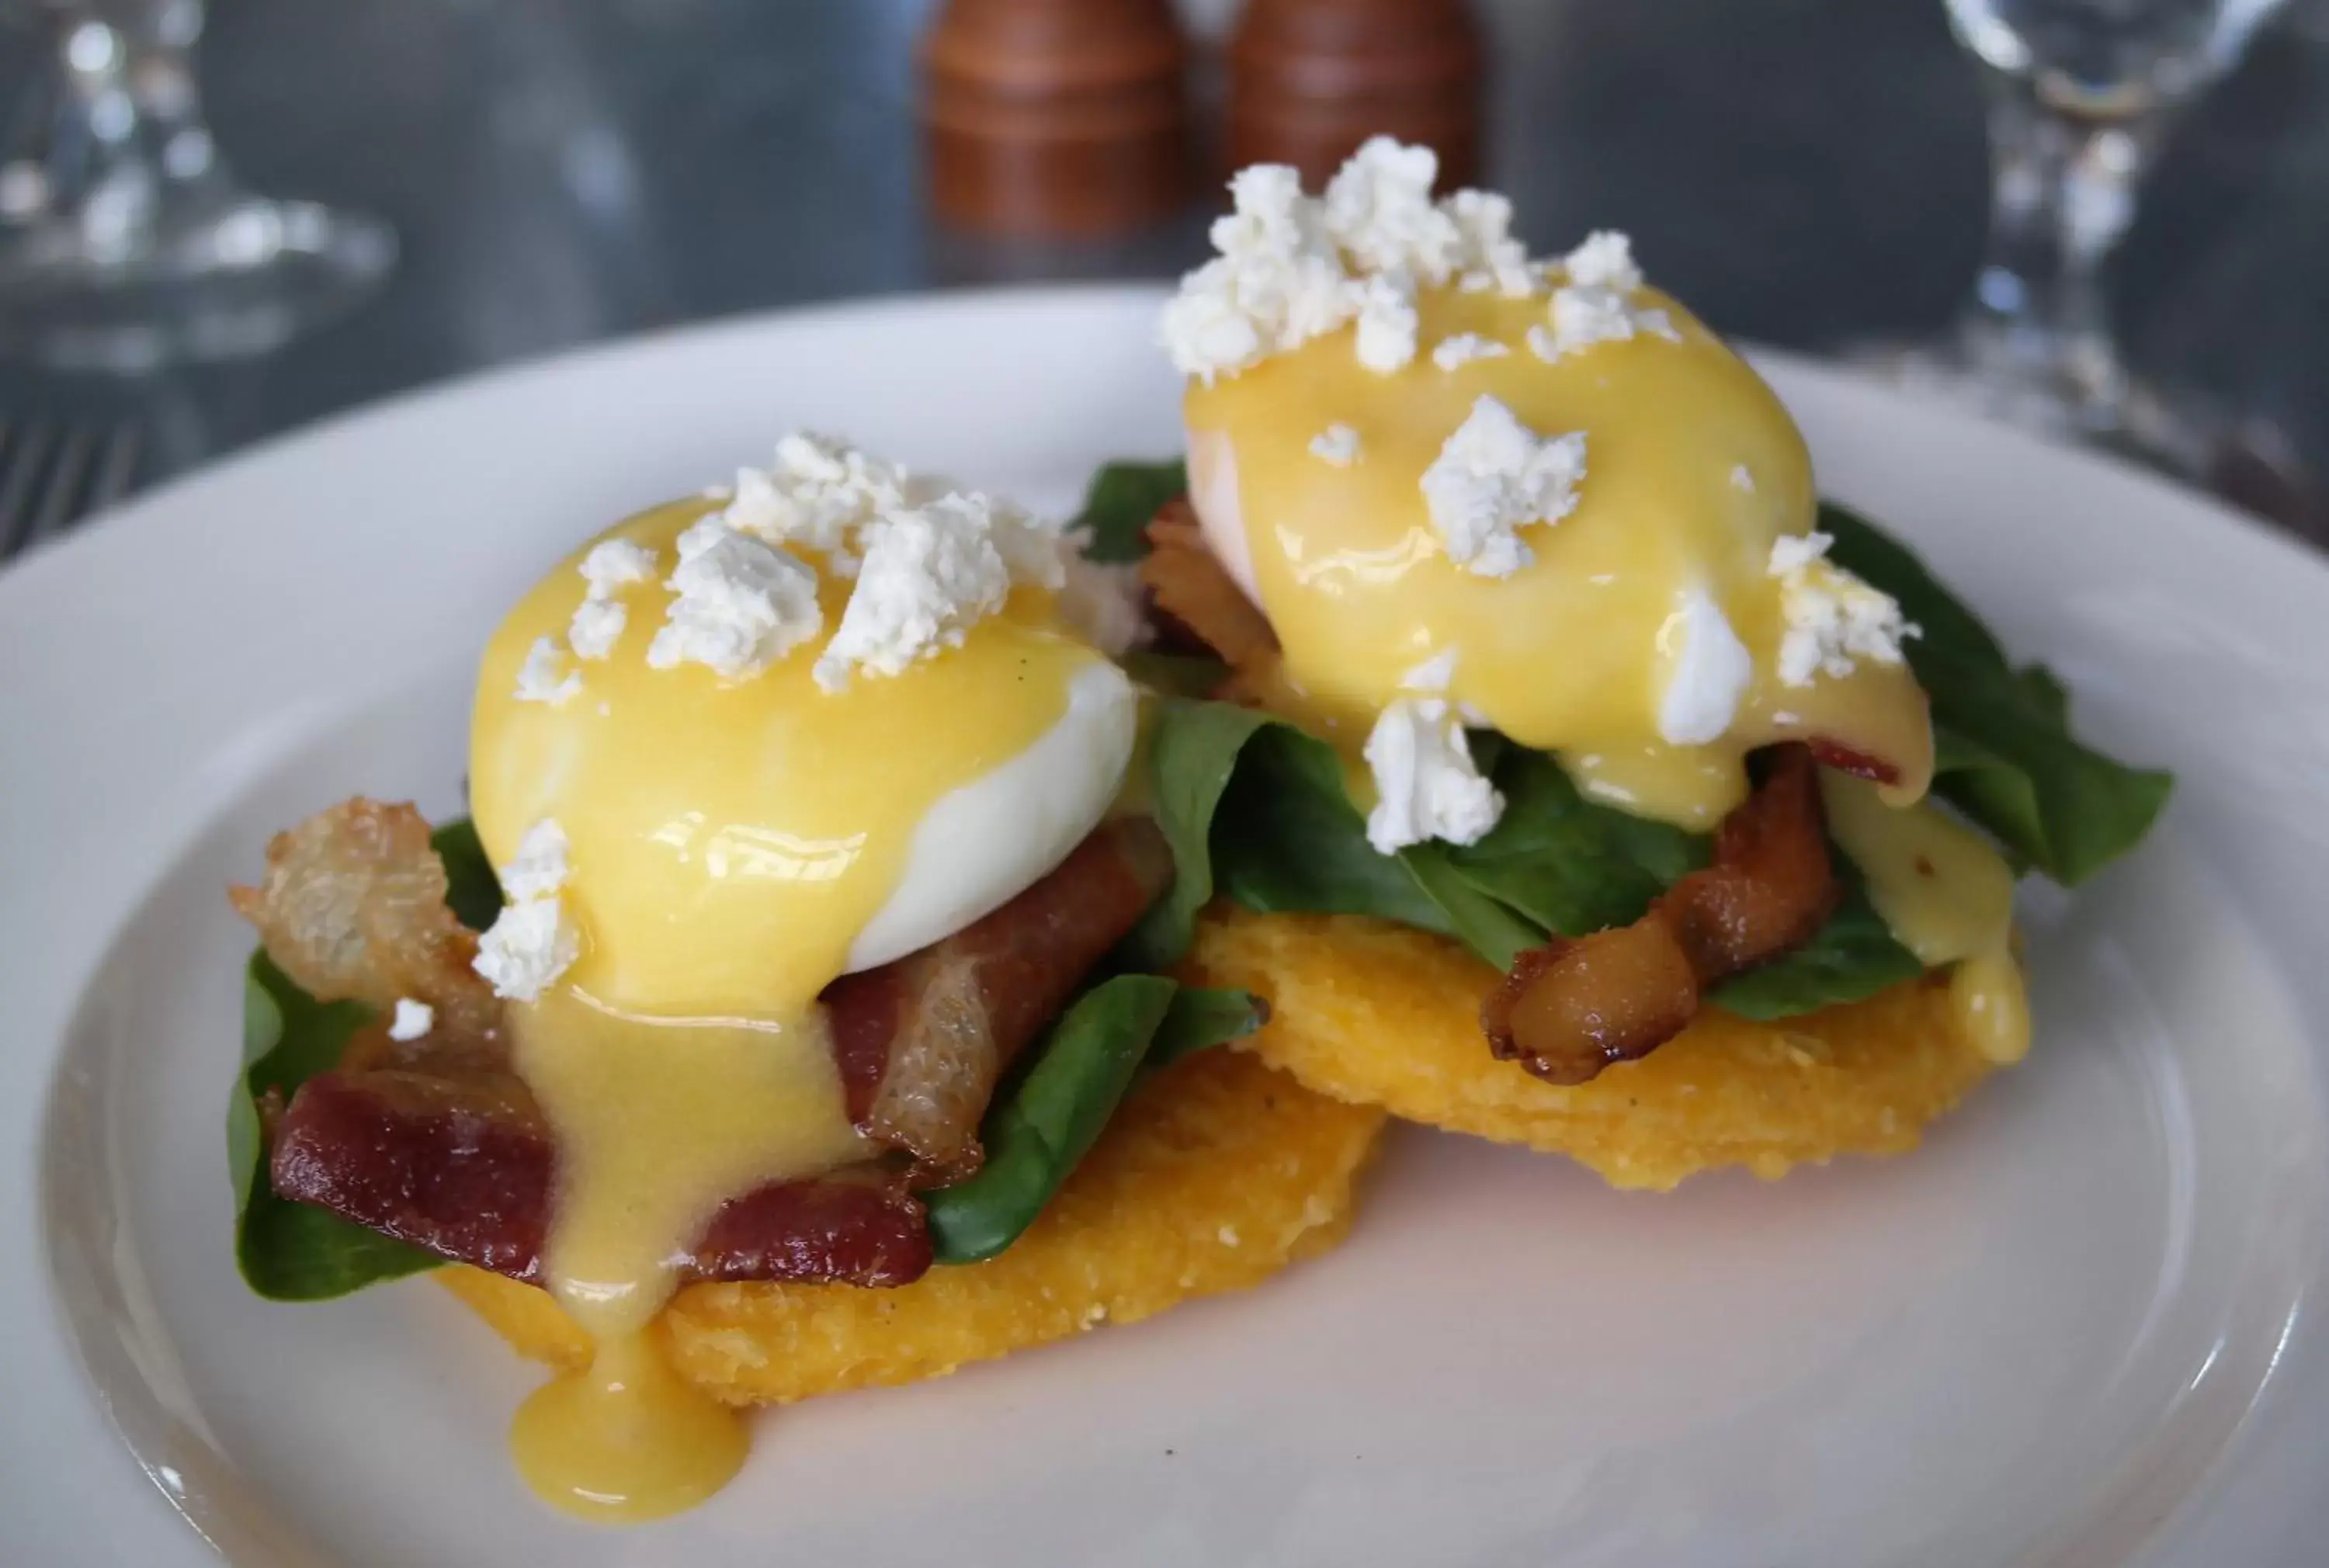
x=1805, y=172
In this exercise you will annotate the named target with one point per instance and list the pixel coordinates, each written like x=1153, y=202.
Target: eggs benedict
x=776, y=962
x=1542, y=649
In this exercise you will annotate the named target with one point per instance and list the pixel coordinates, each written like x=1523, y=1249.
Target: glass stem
x=125, y=132
x=2062, y=196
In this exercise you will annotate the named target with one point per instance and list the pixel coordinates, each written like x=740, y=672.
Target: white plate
x=2082, y=1327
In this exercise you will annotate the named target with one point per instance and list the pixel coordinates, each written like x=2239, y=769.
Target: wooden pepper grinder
x=1310, y=80
x=1055, y=116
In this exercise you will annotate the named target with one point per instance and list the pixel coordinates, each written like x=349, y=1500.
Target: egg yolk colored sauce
x=728, y=840
x=1571, y=653
x=1693, y=469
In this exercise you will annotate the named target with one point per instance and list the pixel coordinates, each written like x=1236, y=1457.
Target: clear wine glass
x=2081, y=93
x=125, y=242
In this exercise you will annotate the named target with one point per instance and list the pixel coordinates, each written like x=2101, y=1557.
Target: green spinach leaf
x=291, y=1252
x=1855, y=956
x=1569, y=865
x=2003, y=751
x=1037, y=1134
x=472, y=888
x=1202, y=1018
x=1123, y=497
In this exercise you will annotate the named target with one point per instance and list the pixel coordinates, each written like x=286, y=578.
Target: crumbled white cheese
x=1337, y=444
x=1488, y=254
x=815, y=495
x=615, y=563
x=1426, y=784
x=1710, y=670
x=1431, y=676
x=1495, y=476
x=1741, y=480
x=1278, y=282
x=412, y=1020
x=1292, y=268
x=1387, y=323
x=540, y=869
x=598, y=624
x=1035, y=550
x=599, y=621
x=1103, y=603
x=530, y=943
x=538, y=679
x=1452, y=352
x=930, y=572
x=1379, y=212
x=1833, y=618
x=1605, y=260
x=1594, y=303
x=528, y=948
x=738, y=606
x=1582, y=317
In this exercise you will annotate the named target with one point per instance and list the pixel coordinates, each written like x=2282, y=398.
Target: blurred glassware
x=125, y=242
x=2081, y=93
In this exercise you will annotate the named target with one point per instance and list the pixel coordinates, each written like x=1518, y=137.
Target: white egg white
x=987, y=842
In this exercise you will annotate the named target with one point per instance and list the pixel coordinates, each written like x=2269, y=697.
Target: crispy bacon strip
x=465, y=1170
x=1192, y=586
x=1858, y=764
x=923, y=1041
x=1572, y=1008
x=439, y=1143
x=352, y=905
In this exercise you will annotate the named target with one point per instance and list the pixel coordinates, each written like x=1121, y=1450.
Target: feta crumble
x=1605, y=260
x=1337, y=444
x=1833, y=618
x=538, y=679
x=1379, y=209
x=1489, y=253
x=412, y=1020
x=1426, y=784
x=738, y=604
x=598, y=620
x=596, y=627
x=1291, y=267
x=1594, y=303
x=930, y=572
x=1387, y=323
x=1453, y=352
x=1495, y=476
x=1278, y=282
x=615, y=563
x=816, y=492
x=530, y=943
x=1710, y=672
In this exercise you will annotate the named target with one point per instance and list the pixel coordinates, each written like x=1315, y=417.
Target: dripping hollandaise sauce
x=729, y=839
x=1693, y=470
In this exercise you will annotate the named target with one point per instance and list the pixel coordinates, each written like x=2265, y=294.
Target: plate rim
x=69, y=564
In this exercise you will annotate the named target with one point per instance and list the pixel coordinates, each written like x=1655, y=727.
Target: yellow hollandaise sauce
x=1693, y=468
x=1948, y=896
x=727, y=840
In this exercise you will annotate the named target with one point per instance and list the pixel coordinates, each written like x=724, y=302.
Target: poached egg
x=700, y=831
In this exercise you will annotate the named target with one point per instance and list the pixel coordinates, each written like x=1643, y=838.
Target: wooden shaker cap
x=1310, y=80
x=1055, y=116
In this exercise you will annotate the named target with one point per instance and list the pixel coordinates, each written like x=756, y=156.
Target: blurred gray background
x=1805, y=172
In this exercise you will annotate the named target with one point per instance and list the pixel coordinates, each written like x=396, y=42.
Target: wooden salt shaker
x=1055, y=116
x=1310, y=80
